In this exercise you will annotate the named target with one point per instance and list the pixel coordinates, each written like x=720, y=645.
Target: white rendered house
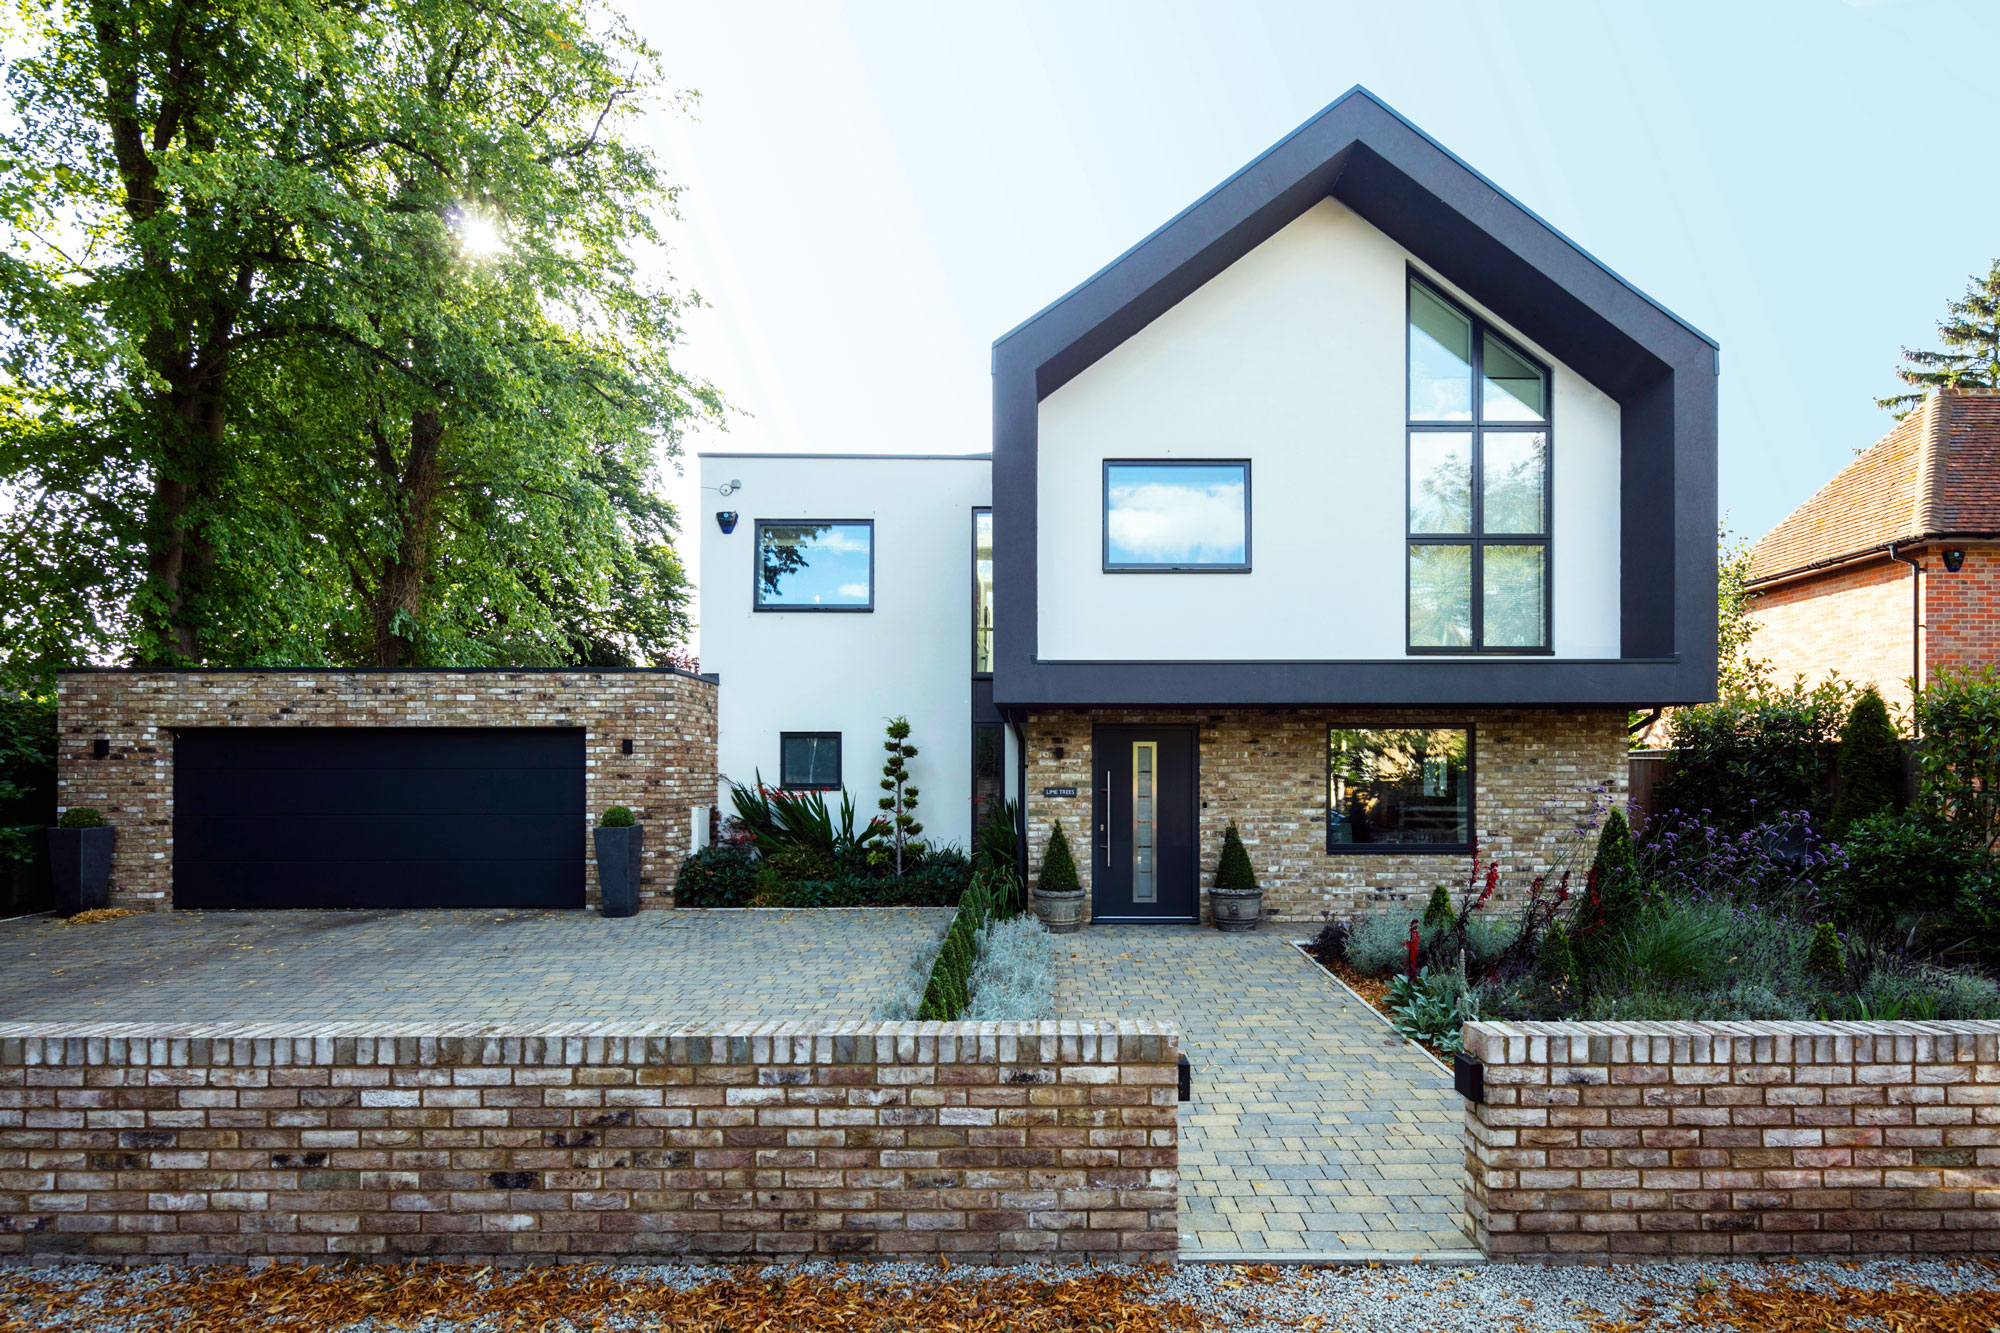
x=1355, y=506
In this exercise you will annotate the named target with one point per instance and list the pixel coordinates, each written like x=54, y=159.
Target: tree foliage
x=900, y=803
x=1870, y=763
x=1970, y=357
x=1958, y=715
x=329, y=336
x=1742, y=761
x=1738, y=674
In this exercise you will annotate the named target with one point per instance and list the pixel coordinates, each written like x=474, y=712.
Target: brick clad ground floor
x=1536, y=776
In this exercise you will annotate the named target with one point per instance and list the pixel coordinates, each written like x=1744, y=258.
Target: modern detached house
x=1355, y=505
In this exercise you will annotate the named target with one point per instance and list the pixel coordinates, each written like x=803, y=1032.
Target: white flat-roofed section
x=850, y=671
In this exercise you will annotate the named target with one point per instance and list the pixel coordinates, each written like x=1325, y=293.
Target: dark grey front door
x=1144, y=812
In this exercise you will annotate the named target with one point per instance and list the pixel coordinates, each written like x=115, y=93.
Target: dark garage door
x=378, y=817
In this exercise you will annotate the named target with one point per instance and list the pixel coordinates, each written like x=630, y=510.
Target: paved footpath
x=1314, y=1127
x=492, y=966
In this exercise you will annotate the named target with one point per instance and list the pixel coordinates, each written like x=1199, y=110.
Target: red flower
x=1416, y=942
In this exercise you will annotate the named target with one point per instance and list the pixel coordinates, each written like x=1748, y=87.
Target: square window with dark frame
x=1176, y=516
x=1479, y=515
x=809, y=760
x=1398, y=789
x=819, y=564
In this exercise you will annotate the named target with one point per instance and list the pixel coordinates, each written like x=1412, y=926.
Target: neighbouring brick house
x=1354, y=505
x=1892, y=570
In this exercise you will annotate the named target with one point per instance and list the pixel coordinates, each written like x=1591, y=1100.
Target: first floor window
x=1399, y=789
x=809, y=760
x=1174, y=516
x=815, y=565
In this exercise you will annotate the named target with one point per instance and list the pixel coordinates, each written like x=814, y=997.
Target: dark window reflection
x=1398, y=787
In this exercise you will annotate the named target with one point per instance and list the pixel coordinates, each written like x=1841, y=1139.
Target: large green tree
x=1970, y=357
x=329, y=336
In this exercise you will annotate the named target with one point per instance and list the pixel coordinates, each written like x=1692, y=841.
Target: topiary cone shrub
x=1058, y=893
x=1237, y=903
x=1870, y=763
x=1438, y=911
x=1826, y=958
x=1058, y=866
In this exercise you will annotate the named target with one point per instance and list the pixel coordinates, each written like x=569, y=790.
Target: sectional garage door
x=378, y=817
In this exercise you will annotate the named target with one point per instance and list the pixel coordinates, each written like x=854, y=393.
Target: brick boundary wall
x=1621, y=1142
x=983, y=1142
x=668, y=715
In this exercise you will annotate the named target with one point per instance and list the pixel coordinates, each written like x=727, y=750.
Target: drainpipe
x=1916, y=628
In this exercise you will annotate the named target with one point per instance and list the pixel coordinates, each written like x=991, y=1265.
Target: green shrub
x=80, y=816
x=1675, y=943
x=1058, y=866
x=1870, y=763
x=1555, y=965
x=1748, y=756
x=1431, y=1008
x=997, y=841
x=1967, y=995
x=1379, y=943
x=777, y=819
x=948, y=990
x=718, y=875
x=1487, y=937
x=1615, y=898
x=1900, y=862
x=1438, y=912
x=1958, y=715
x=1826, y=958
x=617, y=816
x=1233, y=873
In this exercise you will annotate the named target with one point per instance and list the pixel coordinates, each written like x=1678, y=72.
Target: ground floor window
x=809, y=760
x=1399, y=789
x=989, y=772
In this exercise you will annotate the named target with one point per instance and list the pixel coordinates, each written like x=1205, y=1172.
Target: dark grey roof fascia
x=1359, y=90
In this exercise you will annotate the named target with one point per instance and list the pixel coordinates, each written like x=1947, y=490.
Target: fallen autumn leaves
x=219, y=1300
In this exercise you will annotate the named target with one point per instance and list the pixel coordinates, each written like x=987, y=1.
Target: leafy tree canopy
x=327, y=338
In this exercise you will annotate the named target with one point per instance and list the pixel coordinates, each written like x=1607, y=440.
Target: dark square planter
x=80, y=865
x=619, y=861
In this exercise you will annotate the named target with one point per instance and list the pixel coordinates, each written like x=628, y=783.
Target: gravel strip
x=1492, y=1298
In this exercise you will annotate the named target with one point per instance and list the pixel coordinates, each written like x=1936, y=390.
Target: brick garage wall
x=1603, y=1142
x=984, y=1142
x=1266, y=769
x=668, y=715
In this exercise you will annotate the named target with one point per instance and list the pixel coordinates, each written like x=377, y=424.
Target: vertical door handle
x=1104, y=817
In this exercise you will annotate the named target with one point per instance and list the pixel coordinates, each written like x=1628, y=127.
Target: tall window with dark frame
x=1478, y=485
x=982, y=592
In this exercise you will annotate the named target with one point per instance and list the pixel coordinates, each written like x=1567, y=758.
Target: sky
x=875, y=191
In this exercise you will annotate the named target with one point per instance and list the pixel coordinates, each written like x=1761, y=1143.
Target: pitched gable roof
x=1937, y=474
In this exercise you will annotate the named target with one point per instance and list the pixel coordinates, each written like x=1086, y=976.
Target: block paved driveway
x=493, y=966
x=1314, y=1127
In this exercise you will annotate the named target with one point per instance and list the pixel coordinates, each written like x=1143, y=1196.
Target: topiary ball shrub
x=1826, y=958
x=617, y=816
x=1233, y=873
x=1438, y=912
x=80, y=816
x=1058, y=866
x=1870, y=763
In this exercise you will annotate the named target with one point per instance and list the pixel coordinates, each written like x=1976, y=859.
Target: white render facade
x=845, y=672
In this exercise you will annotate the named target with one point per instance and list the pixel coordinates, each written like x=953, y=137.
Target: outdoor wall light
x=726, y=520
x=625, y=746
x=100, y=748
x=1954, y=560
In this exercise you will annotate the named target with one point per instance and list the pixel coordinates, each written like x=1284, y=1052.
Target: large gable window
x=815, y=565
x=1176, y=517
x=1478, y=499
